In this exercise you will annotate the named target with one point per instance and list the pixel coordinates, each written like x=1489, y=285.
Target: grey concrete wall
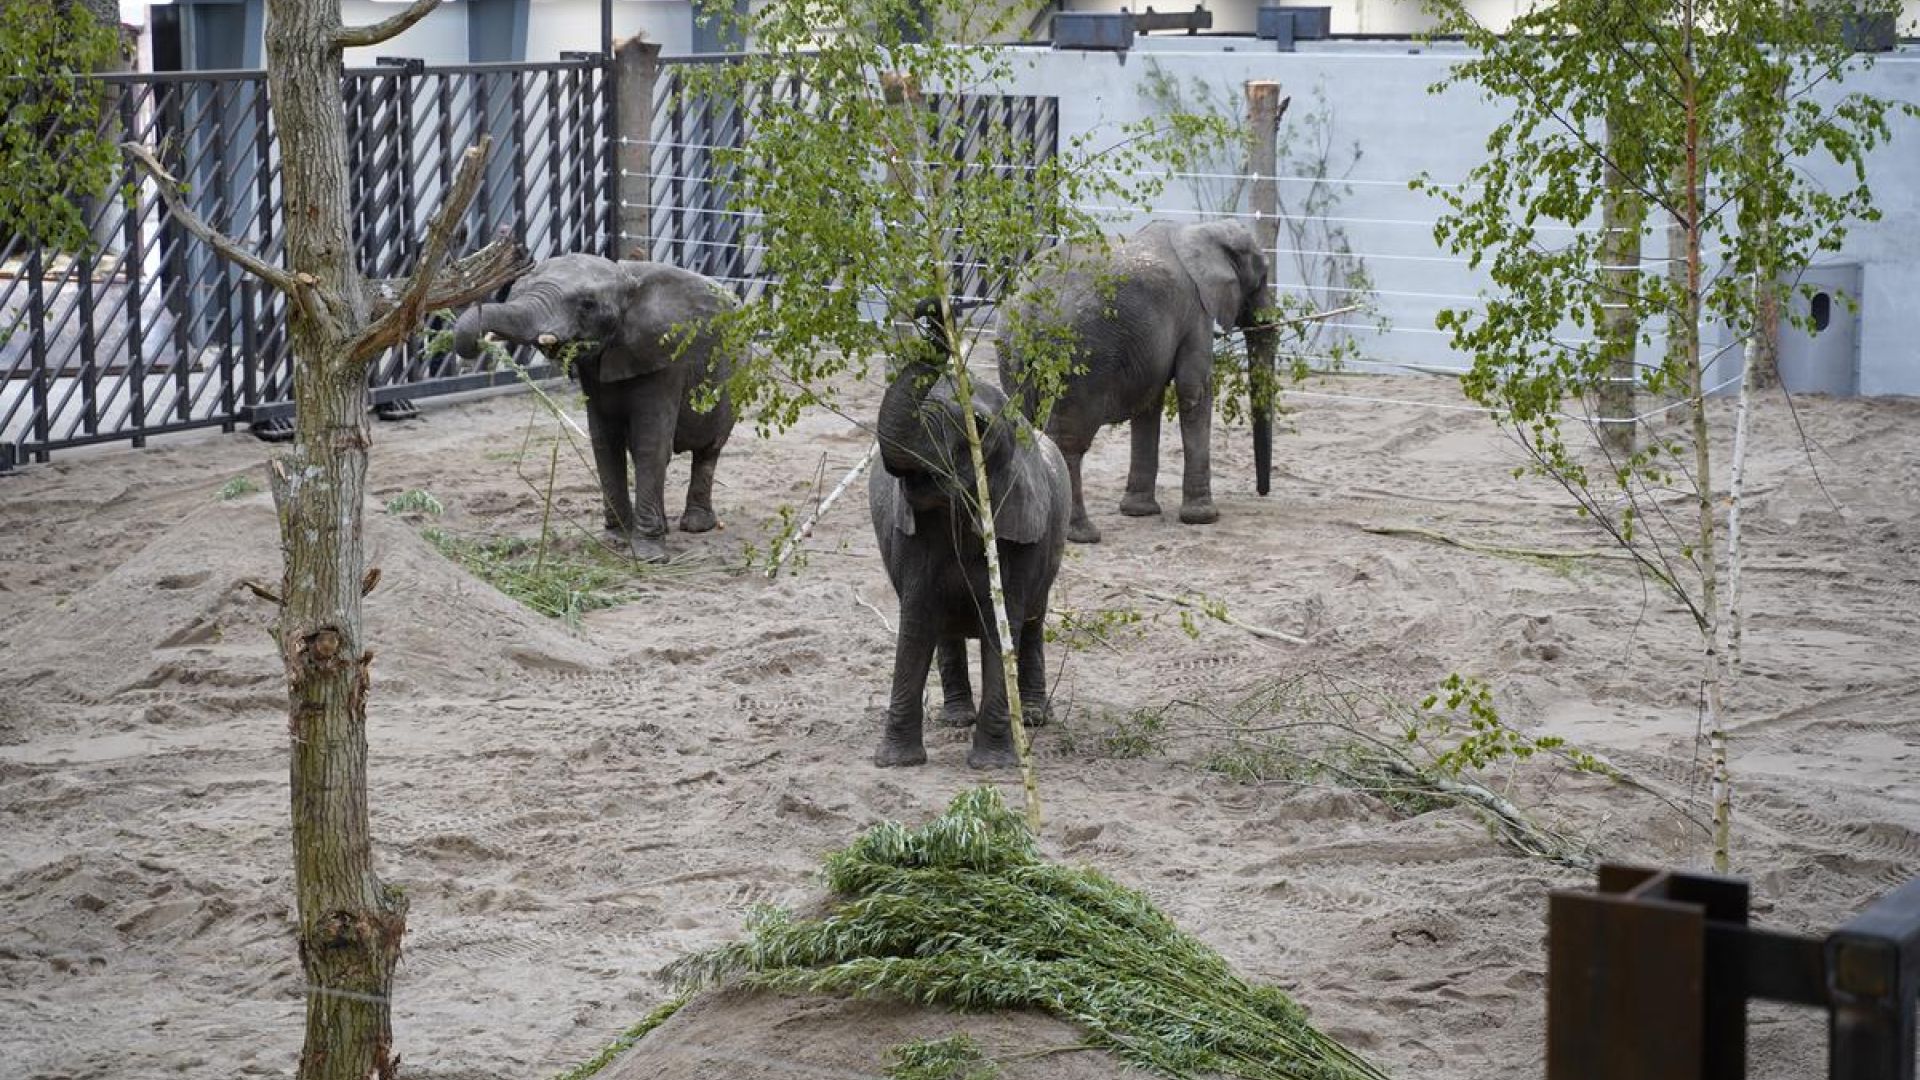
x=1377, y=97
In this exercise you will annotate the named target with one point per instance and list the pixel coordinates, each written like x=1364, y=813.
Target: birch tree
x=350, y=922
x=863, y=192
x=1701, y=116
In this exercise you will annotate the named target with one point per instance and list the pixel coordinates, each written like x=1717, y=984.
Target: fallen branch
x=792, y=543
x=1515, y=825
x=1490, y=549
x=1265, y=632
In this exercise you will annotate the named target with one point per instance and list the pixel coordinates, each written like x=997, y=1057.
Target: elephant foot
x=1139, y=504
x=1198, y=512
x=993, y=753
x=698, y=519
x=1035, y=714
x=896, y=751
x=647, y=549
x=957, y=714
x=1082, y=532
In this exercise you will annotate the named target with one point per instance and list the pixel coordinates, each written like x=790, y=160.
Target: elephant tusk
x=547, y=339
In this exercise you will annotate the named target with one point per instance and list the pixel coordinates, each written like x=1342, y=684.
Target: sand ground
x=571, y=810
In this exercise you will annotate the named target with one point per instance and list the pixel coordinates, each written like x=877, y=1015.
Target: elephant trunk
x=1262, y=388
x=901, y=430
x=522, y=321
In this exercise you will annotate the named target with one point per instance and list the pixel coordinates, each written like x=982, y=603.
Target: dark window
x=1822, y=311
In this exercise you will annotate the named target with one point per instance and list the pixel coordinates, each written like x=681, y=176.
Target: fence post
x=636, y=68
x=1264, y=110
x=249, y=347
x=37, y=326
x=134, y=255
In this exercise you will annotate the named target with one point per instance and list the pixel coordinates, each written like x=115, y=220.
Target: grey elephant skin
x=937, y=562
x=1140, y=313
x=626, y=322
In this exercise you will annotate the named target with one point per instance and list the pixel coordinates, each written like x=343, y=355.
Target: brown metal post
x=636, y=69
x=1625, y=987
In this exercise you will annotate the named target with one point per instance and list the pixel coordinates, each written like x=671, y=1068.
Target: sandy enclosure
x=570, y=811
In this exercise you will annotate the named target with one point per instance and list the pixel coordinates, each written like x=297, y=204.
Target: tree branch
x=350, y=37
x=398, y=306
x=229, y=248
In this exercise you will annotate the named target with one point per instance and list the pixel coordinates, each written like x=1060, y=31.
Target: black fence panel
x=150, y=331
x=693, y=222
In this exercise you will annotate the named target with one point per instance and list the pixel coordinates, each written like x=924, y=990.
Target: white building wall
x=1378, y=97
x=1372, y=16
x=557, y=26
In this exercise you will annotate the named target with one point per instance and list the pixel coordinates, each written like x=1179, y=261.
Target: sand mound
x=749, y=1036
x=177, y=616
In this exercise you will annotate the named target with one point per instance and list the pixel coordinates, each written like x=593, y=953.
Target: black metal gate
x=150, y=332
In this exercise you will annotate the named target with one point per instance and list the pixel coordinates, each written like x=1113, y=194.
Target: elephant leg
x=955, y=686
x=1145, y=469
x=699, y=515
x=608, y=433
x=992, y=733
x=900, y=740
x=1079, y=529
x=1033, y=674
x=1194, y=386
x=650, y=440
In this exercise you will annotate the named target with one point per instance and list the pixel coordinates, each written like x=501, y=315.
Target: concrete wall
x=1377, y=96
x=1370, y=16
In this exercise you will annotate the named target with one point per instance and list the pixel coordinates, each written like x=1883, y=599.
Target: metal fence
x=693, y=223
x=151, y=332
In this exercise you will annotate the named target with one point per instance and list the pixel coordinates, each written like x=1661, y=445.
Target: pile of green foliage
x=964, y=913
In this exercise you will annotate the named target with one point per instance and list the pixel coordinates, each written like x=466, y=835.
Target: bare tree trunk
x=350, y=923
x=1623, y=212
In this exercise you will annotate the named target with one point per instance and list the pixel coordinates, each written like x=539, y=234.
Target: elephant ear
x=1023, y=491
x=642, y=340
x=1210, y=259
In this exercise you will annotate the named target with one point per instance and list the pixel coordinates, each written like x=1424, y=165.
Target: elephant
x=1137, y=314
x=627, y=322
x=936, y=558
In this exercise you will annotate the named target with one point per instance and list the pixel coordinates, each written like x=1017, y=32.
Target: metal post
x=37, y=324
x=249, y=345
x=223, y=217
x=180, y=279
x=130, y=268
x=519, y=96
x=89, y=374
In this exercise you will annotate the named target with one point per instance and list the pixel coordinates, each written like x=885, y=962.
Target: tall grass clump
x=964, y=913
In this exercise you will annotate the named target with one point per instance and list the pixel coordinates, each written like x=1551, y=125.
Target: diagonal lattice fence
x=150, y=332
x=694, y=223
